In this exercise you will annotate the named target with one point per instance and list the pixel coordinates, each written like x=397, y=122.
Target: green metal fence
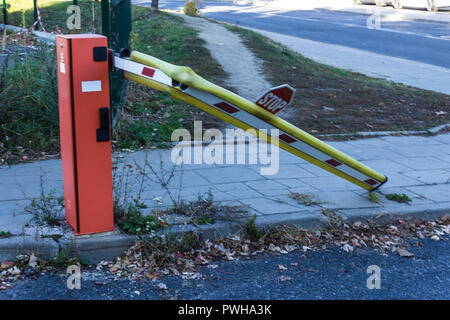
x=118, y=32
x=28, y=16
x=4, y=13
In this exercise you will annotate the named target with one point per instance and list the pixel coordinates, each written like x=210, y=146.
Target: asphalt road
x=324, y=274
x=414, y=40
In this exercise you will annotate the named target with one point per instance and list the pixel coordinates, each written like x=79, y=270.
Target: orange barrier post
x=83, y=89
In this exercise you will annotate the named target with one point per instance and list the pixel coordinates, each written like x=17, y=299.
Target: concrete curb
x=16, y=245
x=382, y=216
x=95, y=248
x=366, y=134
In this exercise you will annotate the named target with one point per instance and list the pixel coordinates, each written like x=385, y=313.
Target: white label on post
x=62, y=67
x=91, y=86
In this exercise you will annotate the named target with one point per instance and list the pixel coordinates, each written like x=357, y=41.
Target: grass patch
x=305, y=199
x=399, y=197
x=132, y=221
x=64, y=258
x=205, y=210
x=5, y=234
x=28, y=105
x=47, y=208
x=251, y=232
x=373, y=197
x=330, y=100
x=201, y=219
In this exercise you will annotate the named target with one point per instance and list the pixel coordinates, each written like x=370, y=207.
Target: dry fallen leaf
x=162, y=286
x=357, y=224
x=114, y=269
x=152, y=276
x=33, y=261
x=285, y=278
x=404, y=253
x=7, y=264
x=347, y=248
x=200, y=259
x=281, y=267
x=14, y=271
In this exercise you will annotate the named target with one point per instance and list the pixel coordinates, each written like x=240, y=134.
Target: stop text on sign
x=275, y=99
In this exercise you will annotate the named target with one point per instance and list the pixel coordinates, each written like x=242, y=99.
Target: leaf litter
x=135, y=264
x=149, y=259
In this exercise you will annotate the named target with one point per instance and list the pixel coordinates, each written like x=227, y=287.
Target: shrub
x=191, y=8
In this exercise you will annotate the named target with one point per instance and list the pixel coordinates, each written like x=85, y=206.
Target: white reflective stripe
x=257, y=123
x=137, y=68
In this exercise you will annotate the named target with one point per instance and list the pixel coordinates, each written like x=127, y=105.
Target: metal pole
x=5, y=20
x=119, y=38
x=35, y=14
x=154, y=5
x=105, y=18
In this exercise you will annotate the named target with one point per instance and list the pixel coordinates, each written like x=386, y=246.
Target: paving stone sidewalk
x=415, y=165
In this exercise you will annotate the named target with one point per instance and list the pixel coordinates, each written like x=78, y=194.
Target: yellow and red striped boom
x=184, y=84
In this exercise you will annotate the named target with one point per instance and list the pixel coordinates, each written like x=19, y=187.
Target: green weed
x=205, y=210
x=399, y=197
x=132, y=221
x=47, y=208
x=191, y=8
x=64, y=258
x=251, y=231
x=5, y=234
x=305, y=199
x=372, y=196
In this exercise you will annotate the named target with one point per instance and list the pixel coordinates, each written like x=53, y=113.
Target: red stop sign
x=277, y=98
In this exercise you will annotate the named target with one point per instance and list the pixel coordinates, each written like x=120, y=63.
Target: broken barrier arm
x=185, y=85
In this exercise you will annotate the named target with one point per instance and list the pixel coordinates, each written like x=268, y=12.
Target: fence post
x=105, y=18
x=5, y=20
x=118, y=39
x=35, y=14
x=154, y=5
